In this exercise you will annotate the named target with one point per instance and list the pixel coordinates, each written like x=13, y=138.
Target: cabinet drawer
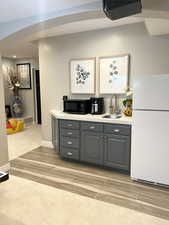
x=69, y=142
x=69, y=124
x=69, y=153
x=117, y=129
x=97, y=127
x=69, y=133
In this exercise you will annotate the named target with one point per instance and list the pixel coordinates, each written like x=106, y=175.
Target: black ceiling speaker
x=116, y=9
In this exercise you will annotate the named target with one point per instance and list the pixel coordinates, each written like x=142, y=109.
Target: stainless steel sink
x=112, y=116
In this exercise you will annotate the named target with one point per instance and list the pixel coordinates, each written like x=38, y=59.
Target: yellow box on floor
x=17, y=126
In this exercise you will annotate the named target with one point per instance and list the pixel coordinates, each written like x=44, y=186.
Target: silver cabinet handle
x=92, y=127
x=69, y=153
x=116, y=130
x=70, y=133
x=69, y=142
x=70, y=125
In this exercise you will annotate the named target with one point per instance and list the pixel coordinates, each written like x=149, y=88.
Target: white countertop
x=91, y=118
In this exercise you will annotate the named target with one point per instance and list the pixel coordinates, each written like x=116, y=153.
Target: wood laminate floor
x=44, y=166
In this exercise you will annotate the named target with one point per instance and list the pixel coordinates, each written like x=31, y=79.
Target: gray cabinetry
x=69, y=142
x=69, y=139
x=54, y=131
x=69, y=153
x=69, y=124
x=69, y=133
x=117, y=151
x=99, y=143
x=117, y=129
x=92, y=147
x=88, y=126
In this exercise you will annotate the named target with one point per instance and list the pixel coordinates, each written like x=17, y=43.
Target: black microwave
x=77, y=106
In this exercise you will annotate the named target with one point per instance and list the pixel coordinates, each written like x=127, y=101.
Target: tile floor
x=23, y=142
x=44, y=166
x=24, y=202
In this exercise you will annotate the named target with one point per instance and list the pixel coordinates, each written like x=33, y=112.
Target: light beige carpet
x=24, y=202
x=25, y=141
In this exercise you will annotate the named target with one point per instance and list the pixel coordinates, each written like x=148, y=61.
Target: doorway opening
x=37, y=97
x=23, y=107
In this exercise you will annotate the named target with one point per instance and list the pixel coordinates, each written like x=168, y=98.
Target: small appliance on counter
x=3, y=176
x=93, y=106
x=97, y=106
x=76, y=106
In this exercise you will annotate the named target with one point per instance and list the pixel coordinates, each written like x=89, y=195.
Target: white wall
x=3, y=138
x=149, y=55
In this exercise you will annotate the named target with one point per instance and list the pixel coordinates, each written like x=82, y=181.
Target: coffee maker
x=97, y=106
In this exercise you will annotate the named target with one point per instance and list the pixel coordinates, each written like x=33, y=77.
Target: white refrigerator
x=150, y=131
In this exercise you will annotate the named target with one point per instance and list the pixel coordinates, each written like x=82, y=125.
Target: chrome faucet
x=114, y=109
x=111, y=107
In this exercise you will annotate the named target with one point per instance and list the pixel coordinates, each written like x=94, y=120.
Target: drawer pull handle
x=92, y=127
x=70, y=125
x=69, y=142
x=116, y=130
x=69, y=153
x=70, y=133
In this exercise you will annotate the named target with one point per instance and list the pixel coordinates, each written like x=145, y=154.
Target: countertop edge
x=90, y=118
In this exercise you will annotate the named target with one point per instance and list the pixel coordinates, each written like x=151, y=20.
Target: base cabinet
x=101, y=144
x=92, y=145
x=54, y=124
x=117, y=152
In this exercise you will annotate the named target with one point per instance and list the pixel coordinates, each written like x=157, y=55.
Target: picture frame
x=24, y=73
x=82, y=75
x=114, y=74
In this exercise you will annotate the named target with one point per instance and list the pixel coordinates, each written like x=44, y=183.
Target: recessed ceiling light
x=14, y=56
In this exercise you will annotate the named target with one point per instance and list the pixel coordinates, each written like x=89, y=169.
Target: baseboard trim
x=5, y=168
x=47, y=144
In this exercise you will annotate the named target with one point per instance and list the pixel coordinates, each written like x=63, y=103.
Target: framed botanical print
x=24, y=73
x=82, y=76
x=114, y=74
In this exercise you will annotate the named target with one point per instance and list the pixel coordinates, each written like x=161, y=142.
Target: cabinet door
x=55, y=137
x=92, y=147
x=117, y=152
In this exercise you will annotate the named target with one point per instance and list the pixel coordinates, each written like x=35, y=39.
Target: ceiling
x=15, y=9
x=28, y=48
x=85, y=25
x=24, y=50
x=84, y=18
x=18, y=9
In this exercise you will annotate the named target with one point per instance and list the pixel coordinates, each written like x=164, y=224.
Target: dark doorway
x=38, y=96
